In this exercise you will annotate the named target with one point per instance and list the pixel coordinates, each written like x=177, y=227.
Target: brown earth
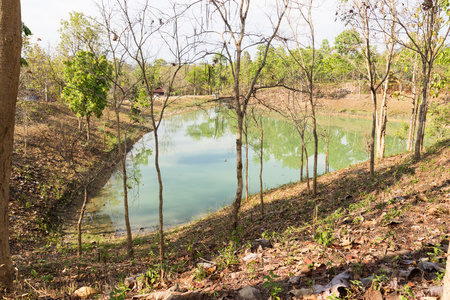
x=382, y=226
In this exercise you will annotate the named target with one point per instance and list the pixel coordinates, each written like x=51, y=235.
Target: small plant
x=436, y=254
x=199, y=274
x=391, y=214
x=227, y=257
x=251, y=270
x=274, y=287
x=119, y=293
x=378, y=280
x=324, y=236
x=407, y=293
x=357, y=220
x=440, y=276
x=152, y=274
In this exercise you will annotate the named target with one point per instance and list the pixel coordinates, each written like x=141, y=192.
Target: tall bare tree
x=304, y=57
x=424, y=30
x=364, y=17
x=10, y=45
x=142, y=26
x=236, y=38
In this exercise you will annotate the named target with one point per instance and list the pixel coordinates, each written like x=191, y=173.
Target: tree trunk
x=122, y=153
x=261, y=171
x=301, y=162
x=372, y=136
x=80, y=219
x=414, y=107
x=308, y=187
x=381, y=134
x=327, y=153
x=10, y=44
x=246, y=161
x=88, y=128
x=237, y=199
x=423, y=110
x=161, y=201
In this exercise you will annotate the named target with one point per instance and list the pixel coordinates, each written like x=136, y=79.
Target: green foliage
x=274, y=287
x=378, y=280
x=79, y=33
x=439, y=120
x=407, y=293
x=436, y=253
x=391, y=214
x=324, y=236
x=228, y=257
x=119, y=293
x=153, y=274
x=86, y=83
x=199, y=274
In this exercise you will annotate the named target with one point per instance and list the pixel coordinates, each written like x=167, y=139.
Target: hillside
x=394, y=227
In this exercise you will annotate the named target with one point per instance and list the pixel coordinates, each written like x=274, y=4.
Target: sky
x=43, y=17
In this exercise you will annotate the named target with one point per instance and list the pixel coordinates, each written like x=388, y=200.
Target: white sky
x=43, y=17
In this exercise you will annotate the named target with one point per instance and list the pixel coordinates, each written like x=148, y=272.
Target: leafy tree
x=86, y=85
x=79, y=33
x=197, y=77
x=439, y=125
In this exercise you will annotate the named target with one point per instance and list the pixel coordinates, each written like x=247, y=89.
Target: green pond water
x=198, y=165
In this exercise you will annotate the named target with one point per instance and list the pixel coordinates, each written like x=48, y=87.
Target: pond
x=198, y=165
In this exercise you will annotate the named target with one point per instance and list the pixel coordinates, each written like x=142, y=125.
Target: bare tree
x=363, y=17
x=236, y=38
x=143, y=26
x=305, y=59
x=424, y=29
x=388, y=27
x=10, y=45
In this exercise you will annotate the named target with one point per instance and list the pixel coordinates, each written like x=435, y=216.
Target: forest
x=375, y=230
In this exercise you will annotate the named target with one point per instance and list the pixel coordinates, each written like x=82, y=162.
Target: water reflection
x=197, y=160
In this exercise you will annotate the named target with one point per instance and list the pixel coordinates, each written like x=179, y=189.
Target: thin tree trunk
x=327, y=154
x=88, y=128
x=301, y=161
x=261, y=196
x=161, y=201
x=10, y=44
x=80, y=219
x=316, y=139
x=246, y=160
x=237, y=200
x=372, y=135
x=414, y=108
x=423, y=111
x=308, y=187
x=122, y=153
x=381, y=134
